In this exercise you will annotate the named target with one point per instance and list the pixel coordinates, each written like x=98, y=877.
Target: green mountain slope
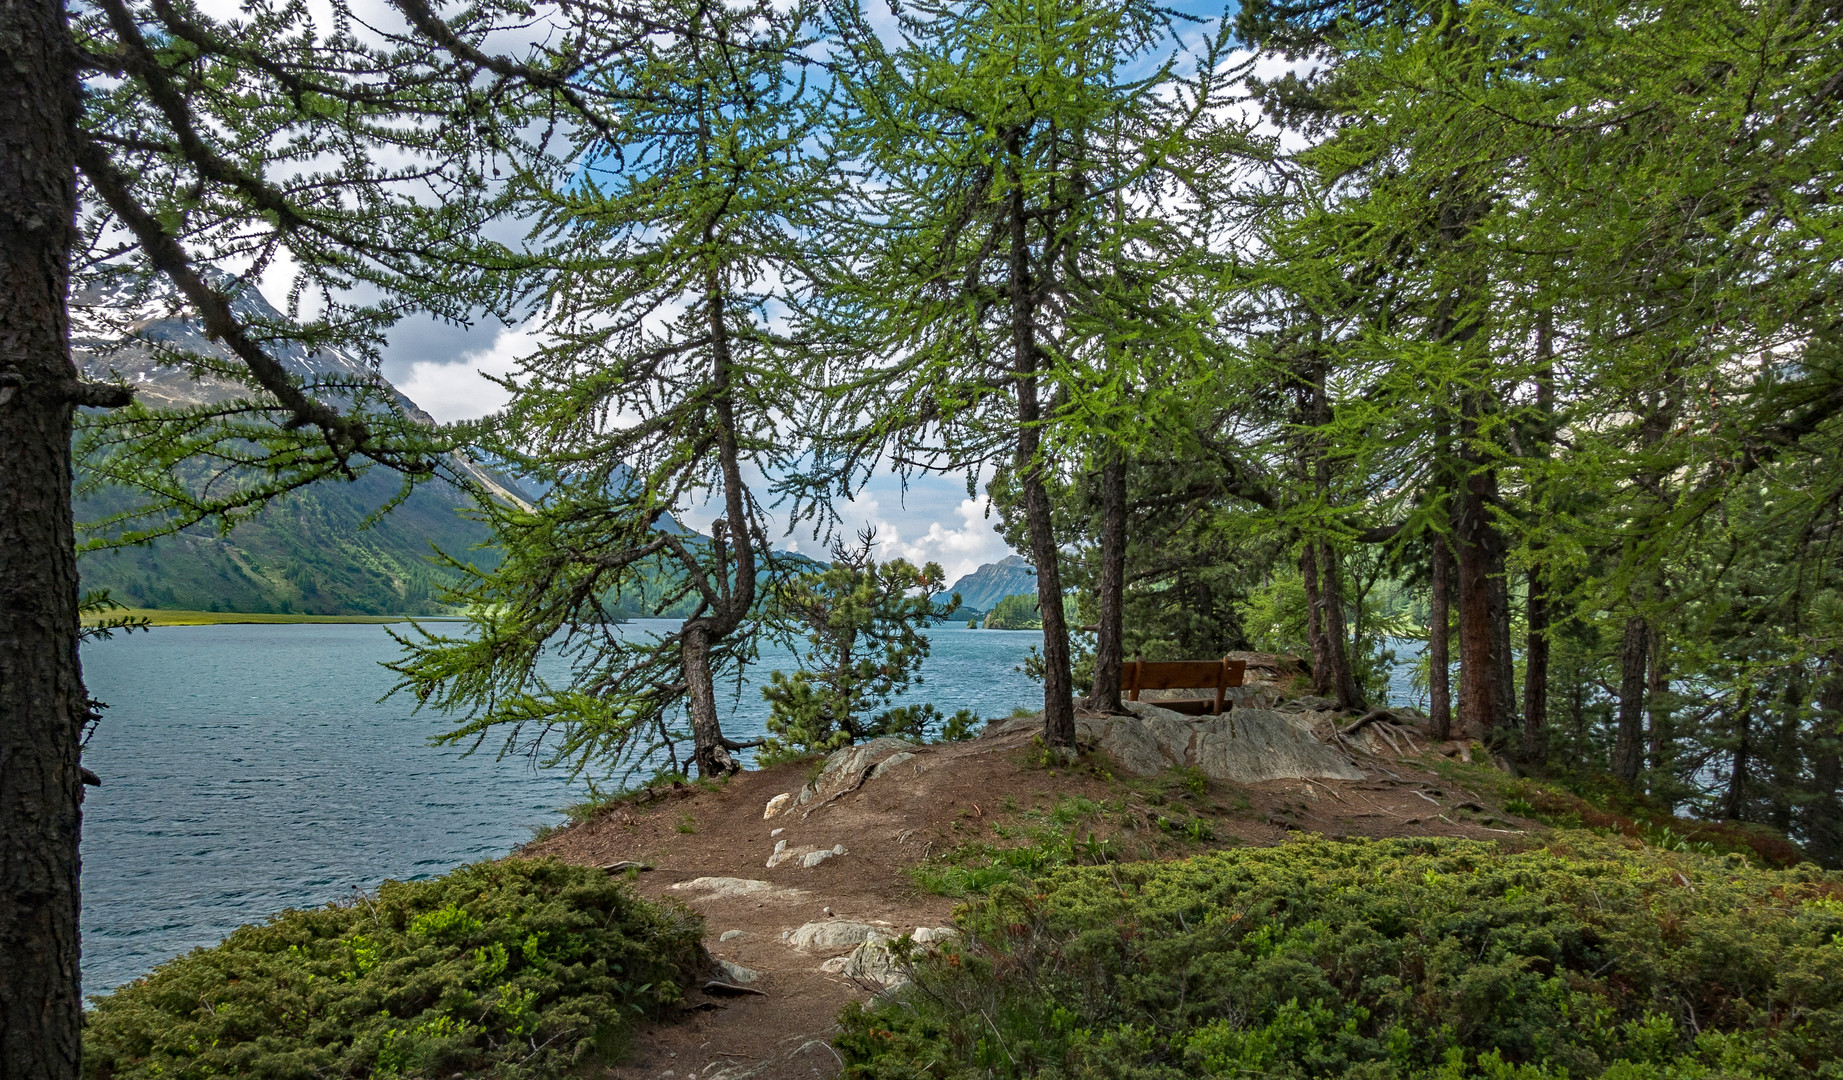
x=308, y=553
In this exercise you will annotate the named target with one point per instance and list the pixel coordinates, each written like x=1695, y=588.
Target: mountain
x=982, y=589
x=307, y=552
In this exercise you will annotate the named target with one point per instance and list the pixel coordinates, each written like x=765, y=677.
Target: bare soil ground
x=948, y=796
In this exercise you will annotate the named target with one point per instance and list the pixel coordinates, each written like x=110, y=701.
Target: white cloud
x=456, y=390
x=960, y=549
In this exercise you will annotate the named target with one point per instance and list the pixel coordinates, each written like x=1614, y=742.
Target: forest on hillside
x=1309, y=326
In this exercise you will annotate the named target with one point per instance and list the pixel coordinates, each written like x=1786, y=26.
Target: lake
x=251, y=768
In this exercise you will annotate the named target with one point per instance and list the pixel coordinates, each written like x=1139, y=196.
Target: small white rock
x=776, y=832
x=776, y=804
x=732, y=935
x=737, y=974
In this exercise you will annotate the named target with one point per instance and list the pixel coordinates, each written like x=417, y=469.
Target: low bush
x=521, y=968
x=1365, y=960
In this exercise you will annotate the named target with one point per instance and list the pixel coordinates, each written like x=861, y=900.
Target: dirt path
x=945, y=797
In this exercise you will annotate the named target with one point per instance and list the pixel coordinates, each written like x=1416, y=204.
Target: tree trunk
x=1439, y=687
x=1536, y=648
x=1734, y=802
x=1110, y=589
x=1629, y=743
x=42, y=701
x=1536, y=675
x=712, y=758
x=1657, y=709
x=1322, y=676
x=1331, y=593
x=731, y=535
x=1823, y=818
x=1474, y=537
x=1058, y=688
x=1503, y=657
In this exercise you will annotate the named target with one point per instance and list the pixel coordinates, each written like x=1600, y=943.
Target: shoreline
x=176, y=617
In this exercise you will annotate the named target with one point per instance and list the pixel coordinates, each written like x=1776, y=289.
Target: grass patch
x=520, y=968
x=1432, y=959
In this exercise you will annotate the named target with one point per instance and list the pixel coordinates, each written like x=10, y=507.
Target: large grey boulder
x=844, y=771
x=1245, y=746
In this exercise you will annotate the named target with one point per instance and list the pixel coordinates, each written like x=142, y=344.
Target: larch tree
x=152, y=139
x=659, y=386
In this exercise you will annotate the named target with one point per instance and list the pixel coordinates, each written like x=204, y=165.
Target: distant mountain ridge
x=982, y=589
x=307, y=552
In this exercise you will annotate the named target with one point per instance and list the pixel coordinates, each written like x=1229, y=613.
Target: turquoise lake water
x=247, y=769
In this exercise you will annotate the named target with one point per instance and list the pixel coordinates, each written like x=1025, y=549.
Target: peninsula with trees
x=1309, y=334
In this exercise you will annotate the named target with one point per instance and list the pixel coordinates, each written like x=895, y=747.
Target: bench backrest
x=1218, y=675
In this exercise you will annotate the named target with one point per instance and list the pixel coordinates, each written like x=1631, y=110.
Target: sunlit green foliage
x=863, y=623
x=509, y=969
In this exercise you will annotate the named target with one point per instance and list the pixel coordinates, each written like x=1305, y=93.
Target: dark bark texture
x=1439, y=686
x=1824, y=816
x=732, y=549
x=1110, y=589
x=1476, y=549
x=1315, y=621
x=1331, y=594
x=1629, y=742
x=1536, y=676
x=1058, y=681
x=42, y=702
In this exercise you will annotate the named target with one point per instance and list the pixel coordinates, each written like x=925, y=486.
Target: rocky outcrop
x=875, y=957
x=1244, y=746
x=807, y=857
x=844, y=771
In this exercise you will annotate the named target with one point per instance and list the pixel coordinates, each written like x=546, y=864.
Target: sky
x=931, y=520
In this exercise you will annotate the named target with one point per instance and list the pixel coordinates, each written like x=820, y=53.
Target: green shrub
x=1367, y=960
x=521, y=968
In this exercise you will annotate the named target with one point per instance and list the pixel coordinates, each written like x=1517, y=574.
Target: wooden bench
x=1184, y=675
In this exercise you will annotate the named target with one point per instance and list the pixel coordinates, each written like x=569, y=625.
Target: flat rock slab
x=837, y=934
x=726, y=888
x=1243, y=746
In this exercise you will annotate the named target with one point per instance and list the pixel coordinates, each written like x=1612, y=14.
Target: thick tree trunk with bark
x=1322, y=676
x=1476, y=547
x=1439, y=661
x=1629, y=741
x=42, y=701
x=1110, y=589
x=706, y=730
x=1058, y=688
x=1331, y=594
